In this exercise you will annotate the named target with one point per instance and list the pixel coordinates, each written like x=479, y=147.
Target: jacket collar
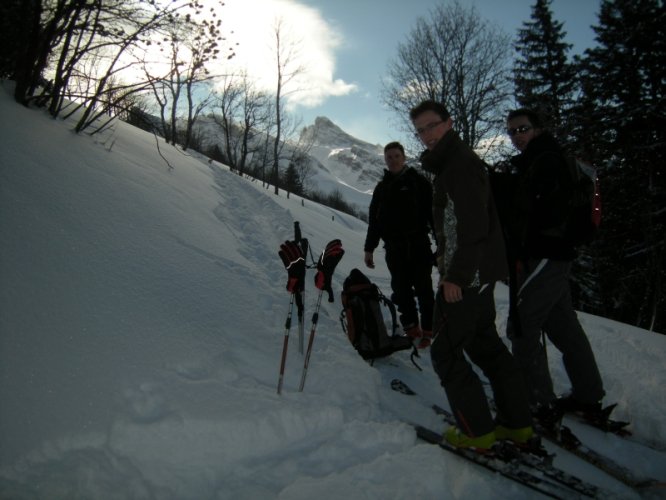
x=437, y=160
x=543, y=143
x=388, y=175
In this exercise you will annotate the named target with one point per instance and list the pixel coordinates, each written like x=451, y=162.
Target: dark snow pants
x=468, y=327
x=410, y=263
x=544, y=304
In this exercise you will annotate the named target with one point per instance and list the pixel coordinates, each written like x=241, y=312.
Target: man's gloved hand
x=293, y=259
x=369, y=260
x=327, y=261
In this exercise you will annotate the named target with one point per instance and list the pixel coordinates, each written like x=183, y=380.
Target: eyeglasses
x=427, y=128
x=518, y=130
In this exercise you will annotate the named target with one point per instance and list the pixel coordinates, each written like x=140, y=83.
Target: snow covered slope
x=142, y=312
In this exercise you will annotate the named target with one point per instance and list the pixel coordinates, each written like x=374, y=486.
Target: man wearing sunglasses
x=533, y=205
x=470, y=259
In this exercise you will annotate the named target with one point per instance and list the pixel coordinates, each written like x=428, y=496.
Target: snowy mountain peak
x=350, y=165
x=327, y=133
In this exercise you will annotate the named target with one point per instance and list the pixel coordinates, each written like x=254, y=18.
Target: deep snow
x=142, y=312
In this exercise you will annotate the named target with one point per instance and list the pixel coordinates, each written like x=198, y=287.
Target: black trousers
x=410, y=263
x=544, y=305
x=468, y=328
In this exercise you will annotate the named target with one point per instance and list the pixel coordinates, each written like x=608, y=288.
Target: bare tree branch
x=457, y=58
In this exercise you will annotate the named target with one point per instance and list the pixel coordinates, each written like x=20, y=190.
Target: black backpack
x=585, y=205
x=363, y=321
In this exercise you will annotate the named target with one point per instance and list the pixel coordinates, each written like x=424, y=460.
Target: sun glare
x=249, y=31
x=304, y=32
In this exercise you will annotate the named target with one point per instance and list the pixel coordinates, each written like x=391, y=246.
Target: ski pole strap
x=415, y=354
x=297, y=232
x=303, y=244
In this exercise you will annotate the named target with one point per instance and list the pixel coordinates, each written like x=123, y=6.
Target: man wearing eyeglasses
x=470, y=259
x=533, y=205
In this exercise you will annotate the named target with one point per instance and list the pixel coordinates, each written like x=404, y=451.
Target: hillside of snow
x=142, y=317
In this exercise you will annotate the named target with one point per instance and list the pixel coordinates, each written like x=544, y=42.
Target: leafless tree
x=287, y=69
x=191, y=46
x=455, y=57
x=241, y=112
x=86, y=48
x=203, y=46
x=74, y=32
x=226, y=109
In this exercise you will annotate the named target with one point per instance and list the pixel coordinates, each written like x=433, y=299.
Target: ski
x=568, y=441
x=535, y=460
x=615, y=427
x=492, y=461
x=602, y=421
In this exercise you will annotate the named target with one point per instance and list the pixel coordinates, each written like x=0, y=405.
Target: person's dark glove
x=327, y=261
x=293, y=259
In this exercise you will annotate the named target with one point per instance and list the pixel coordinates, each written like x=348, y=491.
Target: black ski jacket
x=400, y=208
x=470, y=248
x=533, y=202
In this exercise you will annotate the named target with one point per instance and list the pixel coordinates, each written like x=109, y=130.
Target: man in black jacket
x=534, y=198
x=470, y=259
x=400, y=215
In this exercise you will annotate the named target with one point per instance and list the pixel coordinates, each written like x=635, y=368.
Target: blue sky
x=347, y=44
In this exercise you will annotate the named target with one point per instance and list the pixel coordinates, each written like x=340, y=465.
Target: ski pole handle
x=297, y=232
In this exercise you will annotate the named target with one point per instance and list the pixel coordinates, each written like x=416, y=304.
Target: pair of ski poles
x=298, y=297
x=308, y=352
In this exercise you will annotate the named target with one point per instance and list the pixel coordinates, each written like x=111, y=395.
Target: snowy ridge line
x=563, y=478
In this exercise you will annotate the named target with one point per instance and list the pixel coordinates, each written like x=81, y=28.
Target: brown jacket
x=470, y=247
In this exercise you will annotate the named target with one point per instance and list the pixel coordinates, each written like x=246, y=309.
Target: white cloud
x=313, y=40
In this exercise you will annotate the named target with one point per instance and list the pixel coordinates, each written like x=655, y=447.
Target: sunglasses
x=518, y=130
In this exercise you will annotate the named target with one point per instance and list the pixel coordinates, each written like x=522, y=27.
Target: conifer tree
x=544, y=78
x=623, y=121
x=545, y=81
x=291, y=182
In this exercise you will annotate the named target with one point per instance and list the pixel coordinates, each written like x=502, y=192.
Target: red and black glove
x=327, y=261
x=293, y=259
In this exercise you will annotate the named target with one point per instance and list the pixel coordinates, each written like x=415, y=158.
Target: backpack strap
x=415, y=354
x=394, y=327
x=343, y=316
x=391, y=307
